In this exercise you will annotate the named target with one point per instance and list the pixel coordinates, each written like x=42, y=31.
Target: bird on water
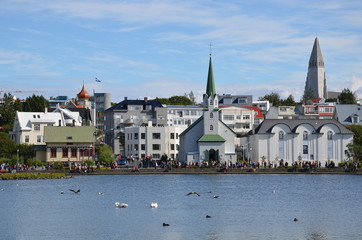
x=75, y=191
x=193, y=193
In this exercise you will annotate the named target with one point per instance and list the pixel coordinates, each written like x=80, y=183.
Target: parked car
x=122, y=161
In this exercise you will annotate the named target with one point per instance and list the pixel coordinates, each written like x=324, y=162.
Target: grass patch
x=23, y=176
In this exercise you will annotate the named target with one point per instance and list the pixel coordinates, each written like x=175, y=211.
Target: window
x=36, y=127
x=38, y=139
x=211, y=115
x=211, y=128
x=228, y=117
x=156, y=156
x=143, y=147
x=246, y=126
x=354, y=118
x=27, y=138
x=305, y=149
x=281, y=135
x=53, y=152
x=136, y=147
x=136, y=136
x=156, y=147
x=329, y=135
x=143, y=135
x=65, y=152
x=211, y=101
x=156, y=135
x=172, y=146
x=74, y=152
x=172, y=135
x=246, y=117
x=176, y=135
x=305, y=135
x=70, y=138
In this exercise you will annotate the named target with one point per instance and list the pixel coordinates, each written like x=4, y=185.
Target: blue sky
x=161, y=48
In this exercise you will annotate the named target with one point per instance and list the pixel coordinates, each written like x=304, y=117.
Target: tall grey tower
x=316, y=77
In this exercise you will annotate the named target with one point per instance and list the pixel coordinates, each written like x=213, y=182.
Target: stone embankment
x=128, y=171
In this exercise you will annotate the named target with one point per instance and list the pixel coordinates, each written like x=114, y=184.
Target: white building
x=208, y=139
x=152, y=141
x=322, y=140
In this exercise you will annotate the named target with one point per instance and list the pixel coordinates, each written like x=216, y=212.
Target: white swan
x=154, y=205
x=121, y=205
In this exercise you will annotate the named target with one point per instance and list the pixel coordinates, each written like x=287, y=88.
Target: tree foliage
x=308, y=95
x=289, y=101
x=35, y=104
x=273, y=98
x=355, y=149
x=7, y=147
x=104, y=153
x=347, y=97
x=180, y=100
x=8, y=109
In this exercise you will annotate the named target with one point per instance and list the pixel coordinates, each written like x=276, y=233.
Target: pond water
x=248, y=207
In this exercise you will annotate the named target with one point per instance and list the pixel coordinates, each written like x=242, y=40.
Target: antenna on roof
x=210, y=48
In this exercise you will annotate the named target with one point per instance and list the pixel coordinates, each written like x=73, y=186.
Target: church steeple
x=316, y=83
x=316, y=58
x=210, y=87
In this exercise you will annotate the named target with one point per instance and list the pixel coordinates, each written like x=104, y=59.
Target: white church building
x=208, y=139
x=322, y=140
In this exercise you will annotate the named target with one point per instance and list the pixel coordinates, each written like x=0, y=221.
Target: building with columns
x=208, y=139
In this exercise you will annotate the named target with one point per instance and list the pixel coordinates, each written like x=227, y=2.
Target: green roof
x=211, y=138
x=69, y=134
x=210, y=88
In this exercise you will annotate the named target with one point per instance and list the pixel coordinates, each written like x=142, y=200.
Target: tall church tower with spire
x=316, y=77
x=211, y=103
x=208, y=140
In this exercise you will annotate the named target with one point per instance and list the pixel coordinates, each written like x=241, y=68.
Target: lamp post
x=17, y=159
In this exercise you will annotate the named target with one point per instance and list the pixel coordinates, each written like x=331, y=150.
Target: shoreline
x=53, y=174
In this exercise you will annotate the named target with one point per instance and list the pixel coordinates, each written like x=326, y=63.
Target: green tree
x=7, y=110
x=163, y=100
x=308, y=95
x=273, y=98
x=7, y=147
x=354, y=151
x=180, y=100
x=347, y=97
x=35, y=104
x=104, y=153
x=26, y=151
x=289, y=101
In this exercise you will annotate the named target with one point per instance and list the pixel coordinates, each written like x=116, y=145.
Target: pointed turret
x=210, y=87
x=316, y=58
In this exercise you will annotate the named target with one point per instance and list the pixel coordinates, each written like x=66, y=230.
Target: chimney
x=146, y=99
x=125, y=98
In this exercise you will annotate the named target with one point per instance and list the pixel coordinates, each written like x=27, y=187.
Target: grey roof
x=344, y=113
x=124, y=104
x=267, y=125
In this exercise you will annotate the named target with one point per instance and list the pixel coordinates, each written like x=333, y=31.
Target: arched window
x=329, y=135
x=211, y=127
x=281, y=135
x=211, y=115
x=305, y=135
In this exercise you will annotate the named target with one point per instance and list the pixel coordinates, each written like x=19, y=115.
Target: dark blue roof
x=124, y=104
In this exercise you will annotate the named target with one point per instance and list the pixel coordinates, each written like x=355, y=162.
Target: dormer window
x=281, y=135
x=355, y=118
x=305, y=135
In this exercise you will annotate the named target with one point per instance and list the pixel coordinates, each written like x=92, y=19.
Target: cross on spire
x=210, y=48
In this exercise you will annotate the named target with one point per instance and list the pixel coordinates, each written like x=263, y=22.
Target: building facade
x=318, y=140
x=69, y=144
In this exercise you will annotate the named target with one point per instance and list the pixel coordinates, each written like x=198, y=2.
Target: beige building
x=64, y=144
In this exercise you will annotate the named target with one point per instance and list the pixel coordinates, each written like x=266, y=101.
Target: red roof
x=258, y=114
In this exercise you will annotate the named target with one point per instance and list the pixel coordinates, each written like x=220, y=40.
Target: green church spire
x=210, y=88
